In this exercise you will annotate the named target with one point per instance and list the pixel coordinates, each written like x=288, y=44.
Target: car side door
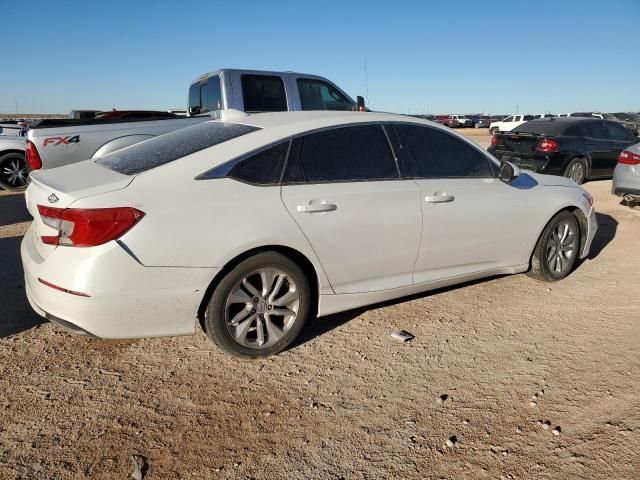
x=472, y=221
x=342, y=187
x=598, y=146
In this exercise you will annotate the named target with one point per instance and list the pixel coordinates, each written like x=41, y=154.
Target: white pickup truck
x=53, y=143
x=509, y=123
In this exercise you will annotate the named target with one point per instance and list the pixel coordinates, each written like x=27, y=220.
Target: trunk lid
x=521, y=144
x=61, y=187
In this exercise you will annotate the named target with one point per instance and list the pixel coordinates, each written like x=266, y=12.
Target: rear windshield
x=543, y=127
x=171, y=146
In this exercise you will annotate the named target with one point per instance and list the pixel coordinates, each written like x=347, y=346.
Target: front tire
x=259, y=307
x=557, y=249
x=576, y=170
x=14, y=174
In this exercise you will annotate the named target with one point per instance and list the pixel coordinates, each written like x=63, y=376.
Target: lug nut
x=270, y=307
x=255, y=299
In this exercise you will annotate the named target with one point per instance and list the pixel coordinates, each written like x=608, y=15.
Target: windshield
x=172, y=146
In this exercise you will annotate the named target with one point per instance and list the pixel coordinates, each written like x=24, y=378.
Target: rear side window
x=618, y=132
x=319, y=95
x=210, y=95
x=172, y=146
x=345, y=154
x=205, y=96
x=593, y=130
x=263, y=93
x=262, y=168
x=441, y=155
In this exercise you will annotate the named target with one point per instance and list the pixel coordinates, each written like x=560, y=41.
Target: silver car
x=626, y=175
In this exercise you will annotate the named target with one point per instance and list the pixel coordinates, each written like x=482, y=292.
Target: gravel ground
x=506, y=378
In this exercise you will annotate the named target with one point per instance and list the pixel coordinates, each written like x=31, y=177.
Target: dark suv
x=578, y=148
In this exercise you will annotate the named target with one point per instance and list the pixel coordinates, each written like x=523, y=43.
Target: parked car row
x=577, y=148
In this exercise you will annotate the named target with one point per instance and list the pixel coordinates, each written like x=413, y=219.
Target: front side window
x=263, y=167
x=263, y=93
x=508, y=119
x=172, y=146
x=319, y=95
x=439, y=154
x=618, y=132
x=345, y=154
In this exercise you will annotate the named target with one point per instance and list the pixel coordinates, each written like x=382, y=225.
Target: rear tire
x=493, y=131
x=259, y=307
x=14, y=175
x=576, y=170
x=557, y=249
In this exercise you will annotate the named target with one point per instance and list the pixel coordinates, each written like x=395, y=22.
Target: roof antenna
x=366, y=79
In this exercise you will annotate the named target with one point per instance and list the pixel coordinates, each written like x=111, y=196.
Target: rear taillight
x=33, y=157
x=547, y=145
x=629, y=158
x=87, y=227
x=494, y=140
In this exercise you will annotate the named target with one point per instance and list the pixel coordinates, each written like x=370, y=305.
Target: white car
x=251, y=226
x=509, y=123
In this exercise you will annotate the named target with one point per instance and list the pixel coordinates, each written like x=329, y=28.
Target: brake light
x=33, y=157
x=629, y=158
x=547, y=145
x=87, y=227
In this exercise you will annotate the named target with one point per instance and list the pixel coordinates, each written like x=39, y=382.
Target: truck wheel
x=13, y=172
x=493, y=131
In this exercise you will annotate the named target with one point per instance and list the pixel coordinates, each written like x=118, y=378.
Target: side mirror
x=360, y=104
x=508, y=172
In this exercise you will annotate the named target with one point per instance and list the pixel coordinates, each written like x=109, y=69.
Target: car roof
x=565, y=119
x=303, y=121
x=215, y=73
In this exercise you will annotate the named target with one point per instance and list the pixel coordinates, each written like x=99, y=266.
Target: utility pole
x=15, y=100
x=366, y=79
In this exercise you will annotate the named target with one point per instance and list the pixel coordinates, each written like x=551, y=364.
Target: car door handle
x=439, y=198
x=317, y=208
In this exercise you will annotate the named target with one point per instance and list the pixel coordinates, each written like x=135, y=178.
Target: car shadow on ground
x=607, y=227
x=16, y=314
x=13, y=210
x=319, y=326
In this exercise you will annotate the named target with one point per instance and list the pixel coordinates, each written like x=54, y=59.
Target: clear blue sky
x=436, y=56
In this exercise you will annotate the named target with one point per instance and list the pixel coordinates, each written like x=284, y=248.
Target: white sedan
x=252, y=225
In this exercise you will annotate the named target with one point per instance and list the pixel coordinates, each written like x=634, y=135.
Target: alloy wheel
x=561, y=248
x=262, y=307
x=14, y=173
x=576, y=172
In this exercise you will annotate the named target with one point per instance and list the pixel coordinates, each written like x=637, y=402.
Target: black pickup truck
x=578, y=148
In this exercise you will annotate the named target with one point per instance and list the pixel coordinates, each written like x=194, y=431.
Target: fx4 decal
x=61, y=140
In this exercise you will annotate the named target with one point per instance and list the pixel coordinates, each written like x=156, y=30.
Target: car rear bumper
x=125, y=299
x=626, y=180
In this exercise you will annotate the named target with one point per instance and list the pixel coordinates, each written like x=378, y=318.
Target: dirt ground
x=525, y=380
